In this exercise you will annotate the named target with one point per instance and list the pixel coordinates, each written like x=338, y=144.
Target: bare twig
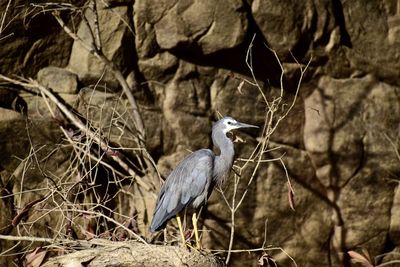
x=97, y=38
x=3, y=16
x=95, y=48
x=270, y=125
x=3, y=23
x=64, y=241
x=394, y=146
x=91, y=48
x=32, y=84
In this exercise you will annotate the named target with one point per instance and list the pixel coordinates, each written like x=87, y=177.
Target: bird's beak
x=245, y=125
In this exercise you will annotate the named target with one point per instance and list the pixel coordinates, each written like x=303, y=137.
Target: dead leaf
x=358, y=258
x=235, y=138
x=290, y=195
x=266, y=260
x=106, y=234
x=61, y=251
x=88, y=232
x=113, y=153
x=240, y=87
x=366, y=254
x=231, y=74
x=17, y=219
x=35, y=258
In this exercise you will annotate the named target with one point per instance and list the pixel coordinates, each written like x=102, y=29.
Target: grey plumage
x=193, y=179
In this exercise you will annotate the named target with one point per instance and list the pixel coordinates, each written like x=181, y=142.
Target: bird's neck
x=222, y=162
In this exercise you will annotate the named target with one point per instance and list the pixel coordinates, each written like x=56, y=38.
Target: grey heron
x=193, y=179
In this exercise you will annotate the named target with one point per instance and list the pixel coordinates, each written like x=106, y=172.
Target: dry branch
x=257, y=157
x=3, y=23
x=95, y=49
x=34, y=85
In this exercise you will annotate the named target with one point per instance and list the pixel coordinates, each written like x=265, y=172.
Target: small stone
x=58, y=79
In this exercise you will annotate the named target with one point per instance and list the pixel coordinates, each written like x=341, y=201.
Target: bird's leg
x=196, y=232
x=178, y=219
x=165, y=236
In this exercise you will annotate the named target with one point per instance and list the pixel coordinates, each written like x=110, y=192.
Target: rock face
x=207, y=27
x=27, y=46
x=116, y=38
x=187, y=62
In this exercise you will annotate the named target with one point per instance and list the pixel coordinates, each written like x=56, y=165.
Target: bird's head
x=227, y=124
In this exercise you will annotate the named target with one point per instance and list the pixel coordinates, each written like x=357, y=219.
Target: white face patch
x=230, y=124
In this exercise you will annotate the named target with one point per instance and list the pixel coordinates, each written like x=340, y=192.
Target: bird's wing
x=190, y=179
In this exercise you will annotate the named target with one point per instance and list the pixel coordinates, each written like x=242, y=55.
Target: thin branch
x=249, y=63
x=394, y=146
x=262, y=147
x=3, y=24
x=96, y=34
x=117, y=74
x=3, y=17
x=32, y=84
x=392, y=262
x=257, y=250
x=73, y=35
x=70, y=242
x=111, y=220
x=233, y=210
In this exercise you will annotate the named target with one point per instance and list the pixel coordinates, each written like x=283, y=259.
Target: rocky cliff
x=320, y=78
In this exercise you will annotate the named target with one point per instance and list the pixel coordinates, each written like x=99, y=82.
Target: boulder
x=372, y=37
x=203, y=27
x=58, y=79
x=285, y=25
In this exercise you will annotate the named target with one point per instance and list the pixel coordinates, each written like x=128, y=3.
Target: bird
x=193, y=179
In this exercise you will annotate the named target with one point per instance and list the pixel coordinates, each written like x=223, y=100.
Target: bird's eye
x=229, y=122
